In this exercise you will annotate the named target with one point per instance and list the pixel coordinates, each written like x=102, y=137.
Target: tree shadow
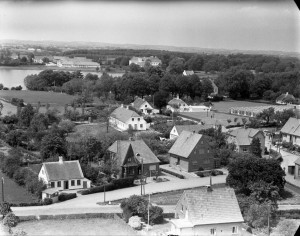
x=285, y=194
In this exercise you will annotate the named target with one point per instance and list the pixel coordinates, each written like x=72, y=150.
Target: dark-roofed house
x=191, y=152
x=35, y=168
x=285, y=98
x=63, y=175
x=207, y=211
x=143, y=106
x=176, y=104
x=130, y=155
x=243, y=137
x=291, y=131
x=123, y=118
x=177, y=129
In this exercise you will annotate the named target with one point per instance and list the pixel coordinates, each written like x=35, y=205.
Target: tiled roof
x=191, y=128
x=215, y=207
x=244, y=136
x=176, y=101
x=123, y=114
x=284, y=97
x=292, y=126
x=185, y=143
x=138, y=102
x=298, y=161
x=66, y=170
x=35, y=168
x=137, y=146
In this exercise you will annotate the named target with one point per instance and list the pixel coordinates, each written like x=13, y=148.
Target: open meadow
x=224, y=106
x=91, y=226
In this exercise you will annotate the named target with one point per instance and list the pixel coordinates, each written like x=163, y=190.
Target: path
x=86, y=202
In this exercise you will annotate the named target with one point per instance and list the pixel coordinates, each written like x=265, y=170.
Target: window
x=132, y=119
x=245, y=149
x=181, y=208
x=145, y=105
x=58, y=184
x=141, y=125
x=139, y=119
x=207, y=150
x=234, y=230
x=78, y=182
x=213, y=232
x=129, y=159
x=52, y=184
x=72, y=182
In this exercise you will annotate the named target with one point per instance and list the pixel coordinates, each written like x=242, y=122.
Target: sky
x=245, y=25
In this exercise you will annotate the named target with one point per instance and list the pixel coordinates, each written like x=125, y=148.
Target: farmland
x=92, y=226
x=224, y=106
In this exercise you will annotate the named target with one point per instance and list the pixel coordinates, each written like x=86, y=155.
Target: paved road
x=90, y=201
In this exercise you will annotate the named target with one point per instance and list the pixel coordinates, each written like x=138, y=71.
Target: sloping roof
x=123, y=114
x=185, y=143
x=292, y=126
x=138, y=102
x=284, y=97
x=176, y=101
x=66, y=170
x=138, y=146
x=244, y=136
x=191, y=128
x=297, y=162
x=212, y=207
x=35, y=168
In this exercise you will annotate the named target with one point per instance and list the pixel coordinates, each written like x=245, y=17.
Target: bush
x=123, y=183
x=216, y=172
x=48, y=201
x=98, y=189
x=10, y=220
x=180, y=176
x=5, y=208
x=66, y=196
x=155, y=215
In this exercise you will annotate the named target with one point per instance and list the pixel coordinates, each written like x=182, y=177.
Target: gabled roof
x=284, y=97
x=212, y=207
x=138, y=146
x=244, y=136
x=185, y=143
x=138, y=102
x=191, y=128
x=123, y=114
x=292, y=126
x=65, y=170
x=35, y=168
x=176, y=101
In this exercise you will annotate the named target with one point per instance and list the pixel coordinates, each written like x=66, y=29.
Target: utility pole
x=104, y=194
x=2, y=190
x=148, y=213
x=142, y=182
x=268, y=219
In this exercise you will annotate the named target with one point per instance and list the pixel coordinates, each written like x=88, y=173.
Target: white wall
x=173, y=133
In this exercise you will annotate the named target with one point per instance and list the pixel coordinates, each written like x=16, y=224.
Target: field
x=14, y=193
x=92, y=226
x=224, y=106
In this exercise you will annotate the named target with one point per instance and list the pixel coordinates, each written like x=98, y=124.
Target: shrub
x=216, y=172
x=155, y=215
x=123, y=183
x=10, y=220
x=200, y=168
x=66, y=196
x=5, y=208
x=98, y=189
x=180, y=176
x=48, y=201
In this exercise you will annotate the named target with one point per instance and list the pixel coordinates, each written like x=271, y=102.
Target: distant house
x=154, y=61
x=243, y=137
x=133, y=157
x=123, y=118
x=191, y=152
x=177, y=129
x=188, y=72
x=63, y=175
x=207, y=211
x=31, y=49
x=38, y=59
x=291, y=131
x=176, y=104
x=143, y=106
x=285, y=99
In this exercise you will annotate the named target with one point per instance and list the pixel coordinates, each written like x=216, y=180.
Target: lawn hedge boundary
x=180, y=176
x=66, y=196
x=289, y=214
x=115, y=184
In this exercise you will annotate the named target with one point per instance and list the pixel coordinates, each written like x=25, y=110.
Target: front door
x=84, y=184
x=135, y=126
x=66, y=184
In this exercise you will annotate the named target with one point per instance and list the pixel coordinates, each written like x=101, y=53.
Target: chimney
x=177, y=96
x=60, y=159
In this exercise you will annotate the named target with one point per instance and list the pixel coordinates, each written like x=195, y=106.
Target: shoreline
x=41, y=67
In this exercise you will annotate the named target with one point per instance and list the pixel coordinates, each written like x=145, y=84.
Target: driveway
x=88, y=203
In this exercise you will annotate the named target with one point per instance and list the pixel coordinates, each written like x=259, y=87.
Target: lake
x=12, y=77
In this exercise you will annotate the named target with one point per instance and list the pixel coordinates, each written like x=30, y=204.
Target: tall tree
x=266, y=115
x=26, y=115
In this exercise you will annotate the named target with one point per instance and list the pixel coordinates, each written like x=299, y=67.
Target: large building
x=79, y=62
x=154, y=61
x=207, y=211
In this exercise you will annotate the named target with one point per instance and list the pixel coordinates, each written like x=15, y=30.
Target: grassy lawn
x=13, y=193
x=90, y=130
x=224, y=106
x=92, y=226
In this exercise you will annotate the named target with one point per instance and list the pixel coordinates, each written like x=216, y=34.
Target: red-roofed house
x=63, y=175
x=191, y=151
x=131, y=154
x=207, y=211
x=243, y=137
x=123, y=118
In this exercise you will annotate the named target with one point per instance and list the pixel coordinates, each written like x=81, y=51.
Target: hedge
x=289, y=214
x=180, y=176
x=115, y=184
x=66, y=196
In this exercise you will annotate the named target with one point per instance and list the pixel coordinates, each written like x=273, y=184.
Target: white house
x=154, y=61
x=207, y=211
x=177, y=105
x=123, y=118
x=177, y=129
x=188, y=72
x=285, y=98
x=63, y=175
x=144, y=106
x=291, y=131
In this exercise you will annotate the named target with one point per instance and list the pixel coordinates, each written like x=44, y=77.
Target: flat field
x=13, y=193
x=91, y=226
x=224, y=106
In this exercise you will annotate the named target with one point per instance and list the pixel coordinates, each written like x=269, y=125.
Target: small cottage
x=291, y=131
